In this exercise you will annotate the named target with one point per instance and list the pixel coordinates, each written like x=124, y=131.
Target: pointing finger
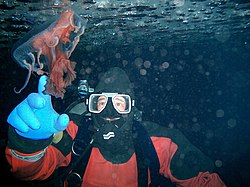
x=36, y=101
x=15, y=121
x=28, y=116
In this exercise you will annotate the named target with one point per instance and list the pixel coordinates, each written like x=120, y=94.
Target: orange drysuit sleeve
x=166, y=149
x=43, y=167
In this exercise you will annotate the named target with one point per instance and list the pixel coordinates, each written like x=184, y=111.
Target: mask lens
x=97, y=103
x=122, y=103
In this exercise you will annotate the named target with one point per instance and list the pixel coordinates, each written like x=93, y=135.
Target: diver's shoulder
x=154, y=129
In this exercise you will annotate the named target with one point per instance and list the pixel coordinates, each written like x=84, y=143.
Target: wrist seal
x=25, y=145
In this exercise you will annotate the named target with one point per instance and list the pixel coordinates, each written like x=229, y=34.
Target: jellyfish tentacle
x=71, y=20
x=79, y=25
x=75, y=42
x=38, y=70
x=29, y=67
x=53, y=54
x=33, y=64
x=55, y=40
x=32, y=57
x=41, y=65
x=72, y=23
x=39, y=53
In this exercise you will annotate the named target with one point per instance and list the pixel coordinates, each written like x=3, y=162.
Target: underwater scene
x=188, y=61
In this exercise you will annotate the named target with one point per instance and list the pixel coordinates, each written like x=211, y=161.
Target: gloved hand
x=34, y=118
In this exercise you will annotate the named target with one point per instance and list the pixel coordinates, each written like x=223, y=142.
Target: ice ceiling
x=140, y=21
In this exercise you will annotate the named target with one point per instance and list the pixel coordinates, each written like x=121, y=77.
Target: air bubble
x=147, y=64
x=231, y=123
x=218, y=163
x=143, y=71
x=151, y=48
x=118, y=55
x=165, y=65
x=220, y=113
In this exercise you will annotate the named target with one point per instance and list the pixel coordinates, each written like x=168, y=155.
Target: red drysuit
x=102, y=173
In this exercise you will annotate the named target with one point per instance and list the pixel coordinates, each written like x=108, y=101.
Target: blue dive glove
x=34, y=118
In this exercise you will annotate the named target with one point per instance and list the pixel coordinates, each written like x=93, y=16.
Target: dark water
x=195, y=78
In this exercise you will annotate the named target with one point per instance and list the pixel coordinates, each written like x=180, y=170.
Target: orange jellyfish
x=47, y=51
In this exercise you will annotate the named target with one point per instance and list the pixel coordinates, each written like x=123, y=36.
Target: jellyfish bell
x=23, y=52
x=47, y=49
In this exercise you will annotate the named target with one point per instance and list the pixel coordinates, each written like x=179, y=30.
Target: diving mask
x=121, y=102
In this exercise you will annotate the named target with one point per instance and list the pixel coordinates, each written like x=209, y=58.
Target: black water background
x=202, y=79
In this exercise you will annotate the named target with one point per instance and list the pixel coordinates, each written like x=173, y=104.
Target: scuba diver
x=109, y=145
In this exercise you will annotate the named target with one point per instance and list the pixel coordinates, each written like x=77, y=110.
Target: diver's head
x=113, y=99
x=112, y=110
